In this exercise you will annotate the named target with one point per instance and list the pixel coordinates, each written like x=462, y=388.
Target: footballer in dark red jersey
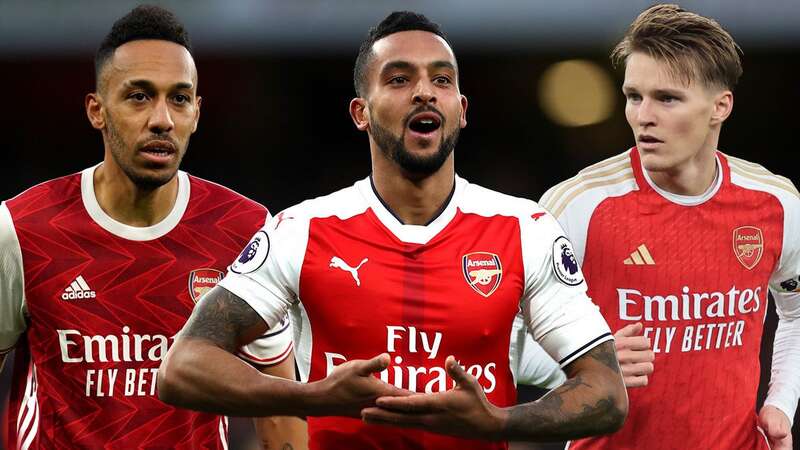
x=99, y=270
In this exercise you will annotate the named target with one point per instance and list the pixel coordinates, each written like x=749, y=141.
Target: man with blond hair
x=684, y=241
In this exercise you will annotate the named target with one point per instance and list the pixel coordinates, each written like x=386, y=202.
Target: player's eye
x=442, y=80
x=397, y=80
x=669, y=99
x=181, y=99
x=633, y=97
x=138, y=96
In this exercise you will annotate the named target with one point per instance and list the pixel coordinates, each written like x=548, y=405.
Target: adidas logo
x=640, y=257
x=78, y=289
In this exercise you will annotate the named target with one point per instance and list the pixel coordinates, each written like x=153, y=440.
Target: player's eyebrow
x=443, y=65
x=150, y=86
x=395, y=65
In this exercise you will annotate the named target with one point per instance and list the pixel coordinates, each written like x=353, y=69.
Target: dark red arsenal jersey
x=91, y=306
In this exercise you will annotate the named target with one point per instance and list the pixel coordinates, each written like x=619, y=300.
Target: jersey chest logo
x=339, y=263
x=482, y=271
x=748, y=245
x=202, y=280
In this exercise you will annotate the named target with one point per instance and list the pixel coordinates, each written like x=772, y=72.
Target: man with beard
x=100, y=269
x=412, y=264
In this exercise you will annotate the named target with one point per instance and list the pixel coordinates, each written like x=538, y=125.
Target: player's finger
x=389, y=390
x=632, y=343
x=633, y=329
x=634, y=381
x=635, y=356
x=373, y=365
x=379, y=416
x=416, y=404
x=636, y=369
x=457, y=373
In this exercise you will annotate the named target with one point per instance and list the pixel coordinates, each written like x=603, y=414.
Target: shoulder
x=343, y=204
x=611, y=177
x=482, y=201
x=749, y=175
x=202, y=189
x=52, y=191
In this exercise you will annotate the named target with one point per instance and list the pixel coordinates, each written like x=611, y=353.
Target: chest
x=470, y=277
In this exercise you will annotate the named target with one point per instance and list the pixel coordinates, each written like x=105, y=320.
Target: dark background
x=275, y=126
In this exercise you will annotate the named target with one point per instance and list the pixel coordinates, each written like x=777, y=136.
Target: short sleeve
x=272, y=348
x=530, y=364
x=785, y=280
x=12, y=292
x=555, y=306
x=266, y=274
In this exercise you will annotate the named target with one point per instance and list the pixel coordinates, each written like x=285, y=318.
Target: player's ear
x=359, y=113
x=463, y=120
x=197, y=113
x=94, y=110
x=723, y=106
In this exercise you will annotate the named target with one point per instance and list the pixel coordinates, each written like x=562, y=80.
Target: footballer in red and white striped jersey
x=359, y=282
x=91, y=306
x=696, y=270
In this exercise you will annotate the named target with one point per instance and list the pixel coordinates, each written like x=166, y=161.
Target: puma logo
x=340, y=264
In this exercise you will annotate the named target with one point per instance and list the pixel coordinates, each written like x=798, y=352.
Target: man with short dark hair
x=684, y=243
x=100, y=269
x=413, y=264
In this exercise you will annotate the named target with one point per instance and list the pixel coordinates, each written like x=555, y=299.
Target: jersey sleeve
x=12, y=292
x=266, y=274
x=530, y=364
x=555, y=306
x=784, y=386
x=272, y=348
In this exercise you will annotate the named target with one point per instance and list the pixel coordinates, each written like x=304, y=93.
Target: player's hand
x=634, y=354
x=462, y=411
x=776, y=426
x=352, y=387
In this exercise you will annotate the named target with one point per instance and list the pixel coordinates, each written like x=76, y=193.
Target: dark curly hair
x=143, y=22
x=393, y=23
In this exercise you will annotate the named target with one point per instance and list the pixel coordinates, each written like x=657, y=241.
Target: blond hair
x=694, y=47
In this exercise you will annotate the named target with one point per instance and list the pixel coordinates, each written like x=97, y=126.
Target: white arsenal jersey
x=359, y=282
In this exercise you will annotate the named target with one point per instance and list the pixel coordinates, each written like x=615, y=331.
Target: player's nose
x=160, y=117
x=645, y=115
x=423, y=92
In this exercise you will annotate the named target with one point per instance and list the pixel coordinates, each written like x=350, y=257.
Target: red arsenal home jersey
x=696, y=271
x=359, y=283
x=92, y=305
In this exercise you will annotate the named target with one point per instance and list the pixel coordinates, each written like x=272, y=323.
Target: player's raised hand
x=776, y=426
x=634, y=354
x=352, y=387
x=462, y=411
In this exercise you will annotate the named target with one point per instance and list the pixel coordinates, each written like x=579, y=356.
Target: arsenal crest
x=202, y=280
x=748, y=245
x=482, y=271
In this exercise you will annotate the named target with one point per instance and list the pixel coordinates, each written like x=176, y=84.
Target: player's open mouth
x=159, y=149
x=425, y=123
x=647, y=139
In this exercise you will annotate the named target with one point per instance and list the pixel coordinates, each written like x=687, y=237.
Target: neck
x=692, y=177
x=126, y=203
x=415, y=201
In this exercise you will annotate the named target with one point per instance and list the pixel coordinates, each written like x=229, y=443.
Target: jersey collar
x=643, y=179
x=413, y=234
x=126, y=231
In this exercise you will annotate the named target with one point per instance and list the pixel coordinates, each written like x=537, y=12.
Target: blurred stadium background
x=276, y=78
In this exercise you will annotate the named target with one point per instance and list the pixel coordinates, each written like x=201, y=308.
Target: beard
x=142, y=178
x=395, y=149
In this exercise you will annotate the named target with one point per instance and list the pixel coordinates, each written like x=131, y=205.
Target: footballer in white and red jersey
x=91, y=306
x=696, y=270
x=359, y=282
